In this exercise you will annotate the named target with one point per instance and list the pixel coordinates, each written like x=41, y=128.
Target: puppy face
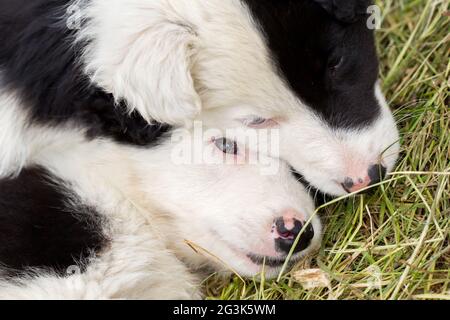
x=236, y=217
x=306, y=67
x=315, y=78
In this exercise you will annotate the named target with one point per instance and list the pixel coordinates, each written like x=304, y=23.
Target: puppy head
x=235, y=216
x=297, y=67
x=308, y=68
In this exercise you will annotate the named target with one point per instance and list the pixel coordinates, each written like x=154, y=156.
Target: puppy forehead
x=302, y=40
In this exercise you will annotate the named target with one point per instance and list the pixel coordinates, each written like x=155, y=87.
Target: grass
x=394, y=243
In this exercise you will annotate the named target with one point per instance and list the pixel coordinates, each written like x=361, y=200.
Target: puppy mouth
x=273, y=262
x=263, y=260
x=267, y=261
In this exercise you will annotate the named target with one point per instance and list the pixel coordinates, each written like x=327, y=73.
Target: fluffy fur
x=90, y=90
x=309, y=66
x=146, y=209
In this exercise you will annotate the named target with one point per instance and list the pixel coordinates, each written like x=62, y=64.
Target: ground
x=393, y=243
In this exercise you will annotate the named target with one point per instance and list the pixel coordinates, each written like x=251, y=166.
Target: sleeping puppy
x=132, y=69
x=93, y=219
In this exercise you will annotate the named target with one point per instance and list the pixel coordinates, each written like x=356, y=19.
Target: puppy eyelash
x=259, y=122
x=256, y=121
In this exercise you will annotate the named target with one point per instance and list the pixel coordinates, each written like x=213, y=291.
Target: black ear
x=347, y=11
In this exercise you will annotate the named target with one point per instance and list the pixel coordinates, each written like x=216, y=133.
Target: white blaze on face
x=326, y=156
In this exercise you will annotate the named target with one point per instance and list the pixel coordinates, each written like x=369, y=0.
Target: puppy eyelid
x=259, y=122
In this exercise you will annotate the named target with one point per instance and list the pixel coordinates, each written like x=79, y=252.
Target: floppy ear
x=347, y=11
x=143, y=57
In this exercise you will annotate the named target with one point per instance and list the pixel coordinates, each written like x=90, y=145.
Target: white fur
x=13, y=122
x=21, y=141
x=327, y=156
x=137, y=265
x=176, y=61
x=144, y=56
x=152, y=206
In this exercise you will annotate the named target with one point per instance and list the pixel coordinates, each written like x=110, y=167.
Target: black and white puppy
x=306, y=67
x=93, y=219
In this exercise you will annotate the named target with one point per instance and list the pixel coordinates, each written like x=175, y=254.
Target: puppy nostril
x=287, y=236
x=288, y=232
x=348, y=184
x=377, y=173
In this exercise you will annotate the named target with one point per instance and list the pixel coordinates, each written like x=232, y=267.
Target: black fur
x=307, y=39
x=345, y=10
x=38, y=58
x=307, y=43
x=40, y=229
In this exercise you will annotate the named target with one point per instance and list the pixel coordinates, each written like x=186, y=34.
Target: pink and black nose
x=375, y=174
x=287, y=230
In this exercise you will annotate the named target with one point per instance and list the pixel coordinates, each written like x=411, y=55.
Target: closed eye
x=259, y=122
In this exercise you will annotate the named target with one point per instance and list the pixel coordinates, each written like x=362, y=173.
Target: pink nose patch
x=360, y=184
x=290, y=215
x=287, y=228
x=289, y=223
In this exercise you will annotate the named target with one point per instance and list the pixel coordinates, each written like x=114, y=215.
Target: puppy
x=121, y=68
x=93, y=219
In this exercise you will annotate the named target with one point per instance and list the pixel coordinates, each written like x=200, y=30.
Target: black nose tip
x=377, y=173
x=287, y=237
